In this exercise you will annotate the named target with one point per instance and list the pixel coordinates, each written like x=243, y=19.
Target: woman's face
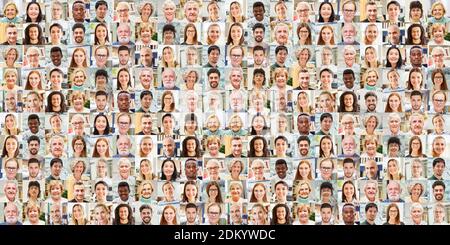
x=235, y=124
x=236, y=33
x=190, y=32
x=235, y=10
x=168, y=191
x=438, y=35
x=259, y=215
x=258, y=123
x=33, y=192
x=145, y=167
x=349, y=191
x=146, y=11
x=416, y=32
x=303, y=215
x=10, y=12
x=123, y=213
x=348, y=100
x=11, y=57
x=55, y=191
x=416, y=191
x=349, y=57
x=393, y=57
x=392, y=213
x=213, y=192
x=146, y=146
x=281, y=192
x=438, y=80
x=415, y=14
x=56, y=101
x=33, y=33
x=327, y=35
x=168, y=169
x=33, y=12
x=146, y=35
x=393, y=78
x=213, y=124
x=281, y=79
x=11, y=79
x=236, y=170
x=370, y=55
x=416, y=80
x=235, y=191
x=258, y=145
x=77, y=212
x=281, y=213
x=191, y=79
x=326, y=145
x=439, y=146
x=191, y=146
x=11, y=146
x=191, y=192
x=438, y=12
x=304, y=56
x=78, y=146
x=100, y=124
x=168, y=55
x=147, y=190
x=10, y=122
x=102, y=147
x=78, y=169
x=100, y=192
x=371, y=34
x=325, y=12
x=79, y=58
x=169, y=12
x=101, y=33
x=303, y=34
x=304, y=170
x=438, y=123
x=124, y=79
x=214, y=33
x=394, y=103
x=213, y=147
x=33, y=214
x=169, y=215
x=371, y=124
x=392, y=168
x=281, y=9
x=371, y=147
x=259, y=193
x=168, y=100
x=416, y=145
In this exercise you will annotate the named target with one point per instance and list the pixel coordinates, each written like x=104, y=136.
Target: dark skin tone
x=124, y=102
x=349, y=80
x=281, y=170
x=124, y=192
x=33, y=125
x=303, y=124
x=78, y=11
x=258, y=12
x=349, y=215
x=56, y=58
x=191, y=170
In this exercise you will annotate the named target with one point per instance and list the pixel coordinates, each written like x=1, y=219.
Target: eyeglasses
x=326, y=168
x=123, y=10
x=213, y=213
x=77, y=123
x=11, y=168
x=439, y=101
x=349, y=11
x=102, y=55
x=213, y=168
x=235, y=56
x=213, y=189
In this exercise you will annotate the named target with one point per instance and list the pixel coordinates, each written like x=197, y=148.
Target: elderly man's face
x=394, y=191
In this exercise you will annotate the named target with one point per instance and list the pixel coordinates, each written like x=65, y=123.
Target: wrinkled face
x=371, y=191
x=371, y=170
x=394, y=191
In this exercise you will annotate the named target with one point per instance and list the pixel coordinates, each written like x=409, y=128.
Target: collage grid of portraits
x=224, y=112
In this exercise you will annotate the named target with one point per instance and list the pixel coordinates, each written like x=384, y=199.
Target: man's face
x=56, y=169
x=394, y=34
x=303, y=78
x=258, y=12
x=123, y=34
x=371, y=12
x=101, y=56
x=56, y=58
x=191, y=12
x=168, y=147
x=146, y=57
x=147, y=125
x=79, y=192
x=370, y=191
x=325, y=214
x=213, y=56
x=303, y=124
x=33, y=169
x=416, y=56
x=281, y=56
x=101, y=102
x=191, y=214
x=236, y=147
x=236, y=57
x=281, y=170
x=235, y=213
x=214, y=215
x=371, y=170
x=55, y=213
x=416, y=124
x=282, y=35
x=146, y=215
x=258, y=57
x=11, y=214
x=213, y=80
x=371, y=103
x=349, y=169
x=349, y=80
x=348, y=215
x=11, y=34
x=371, y=214
x=438, y=169
x=438, y=192
x=258, y=35
x=10, y=191
x=101, y=11
x=78, y=11
x=168, y=79
x=78, y=35
x=348, y=33
x=123, y=146
x=123, y=193
x=33, y=58
x=124, y=56
x=57, y=147
x=124, y=102
x=416, y=102
x=33, y=147
x=394, y=191
x=236, y=78
x=303, y=147
x=146, y=78
x=190, y=169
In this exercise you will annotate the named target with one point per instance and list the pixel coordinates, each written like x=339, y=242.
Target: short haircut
x=100, y=93
x=145, y=206
x=416, y=93
x=326, y=185
x=348, y=71
x=326, y=205
x=258, y=47
x=100, y=3
x=303, y=138
x=123, y=184
x=191, y=205
x=33, y=117
x=369, y=94
x=394, y=140
x=212, y=48
x=326, y=115
x=213, y=70
x=348, y=160
x=281, y=47
x=259, y=4
x=123, y=47
x=101, y=73
x=168, y=27
x=33, y=138
x=56, y=160
x=370, y=205
x=55, y=49
x=280, y=162
x=437, y=183
x=258, y=25
x=438, y=160
x=146, y=92
x=78, y=25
